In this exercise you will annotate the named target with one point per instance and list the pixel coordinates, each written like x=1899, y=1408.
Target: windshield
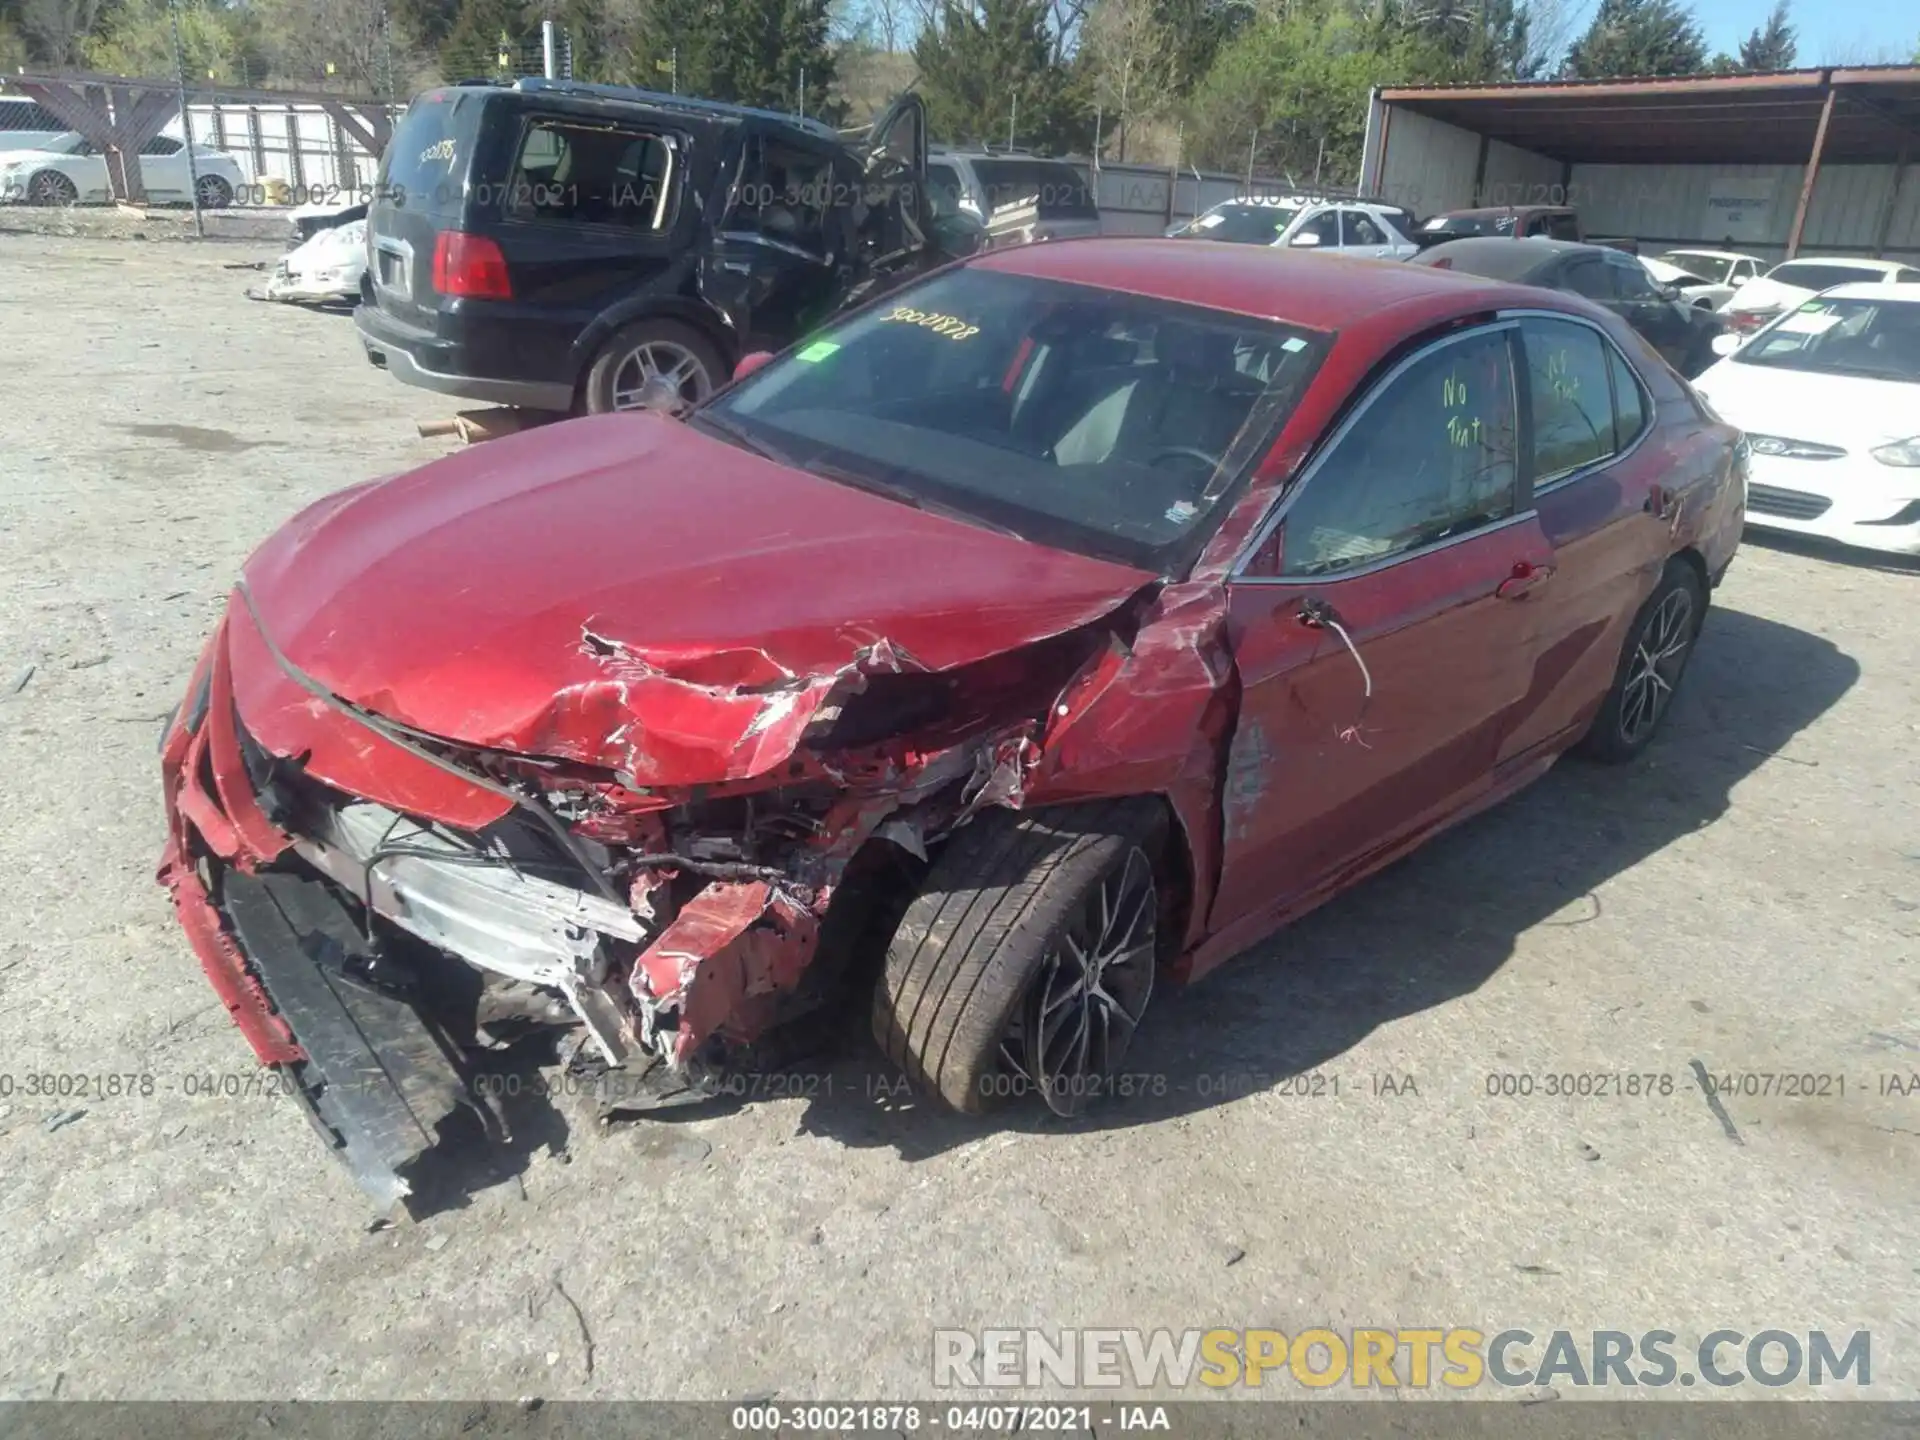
x=1110, y=424
x=1878, y=339
x=1811, y=275
x=1241, y=224
x=1709, y=268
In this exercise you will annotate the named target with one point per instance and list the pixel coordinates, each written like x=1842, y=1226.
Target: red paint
x=657, y=609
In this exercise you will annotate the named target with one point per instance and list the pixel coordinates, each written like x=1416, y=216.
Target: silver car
x=1019, y=198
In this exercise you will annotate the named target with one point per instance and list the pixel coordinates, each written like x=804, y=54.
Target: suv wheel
x=649, y=351
x=1027, y=959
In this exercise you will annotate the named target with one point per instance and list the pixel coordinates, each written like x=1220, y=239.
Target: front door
x=1665, y=323
x=1373, y=630
x=783, y=248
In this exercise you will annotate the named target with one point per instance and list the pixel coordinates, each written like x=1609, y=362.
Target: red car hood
x=624, y=591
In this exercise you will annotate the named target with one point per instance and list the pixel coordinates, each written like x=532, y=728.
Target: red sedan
x=1061, y=624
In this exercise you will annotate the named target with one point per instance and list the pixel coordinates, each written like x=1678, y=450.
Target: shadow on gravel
x=1428, y=929
x=1832, y=552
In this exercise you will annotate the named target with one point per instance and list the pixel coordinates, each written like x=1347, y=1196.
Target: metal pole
x=1253, y=141
x=1013, y=115
x=1813, y=172
x=674, y=80
x=803, y=92
x=186, y=120
x=1096, y=140
x=547, y=66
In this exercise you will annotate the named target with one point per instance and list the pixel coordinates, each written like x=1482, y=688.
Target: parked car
x=1514, y=222
x=1019, y=198
x=1829, y=396
x=71, y=170
x=27, y=124
x=1681, y=333
x=1793, y=282
x=1353, y=227
x=326, y=269
x=1064, y=622
x=1708, y=277
x=562, y=246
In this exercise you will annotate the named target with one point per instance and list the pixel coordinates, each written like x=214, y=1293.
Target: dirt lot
x=1747, y=897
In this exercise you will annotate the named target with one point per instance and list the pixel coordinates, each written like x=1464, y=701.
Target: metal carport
x=1773, y=163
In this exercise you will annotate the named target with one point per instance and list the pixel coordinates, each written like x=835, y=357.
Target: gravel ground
x=1748, y=896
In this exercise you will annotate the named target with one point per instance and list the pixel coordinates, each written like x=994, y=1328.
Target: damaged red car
x=1047, y=631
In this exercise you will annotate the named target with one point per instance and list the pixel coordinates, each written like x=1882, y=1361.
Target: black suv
x=558, y=246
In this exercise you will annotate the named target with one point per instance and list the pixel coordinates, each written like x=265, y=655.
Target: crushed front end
x=377, y=906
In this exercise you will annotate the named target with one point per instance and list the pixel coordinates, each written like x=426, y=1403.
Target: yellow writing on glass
x=951, y=326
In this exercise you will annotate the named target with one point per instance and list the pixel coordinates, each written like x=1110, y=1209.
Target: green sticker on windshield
x=817, y=351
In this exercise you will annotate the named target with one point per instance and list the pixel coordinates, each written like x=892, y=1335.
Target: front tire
x=50, y=187
x=214, y=192
x=1027, y=959
x=1659, y=643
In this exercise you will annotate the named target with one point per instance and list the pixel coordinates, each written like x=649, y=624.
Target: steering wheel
x=1185, y=452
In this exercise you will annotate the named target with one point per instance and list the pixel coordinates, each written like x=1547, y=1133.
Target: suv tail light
x=470, y=265
x=1746, y=321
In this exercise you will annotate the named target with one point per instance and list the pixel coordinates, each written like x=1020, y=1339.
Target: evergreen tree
x=987, y=68
x=1638, y=37
x=1772, y=46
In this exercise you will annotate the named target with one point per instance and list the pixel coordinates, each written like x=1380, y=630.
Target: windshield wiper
x=906, y=497
x=734, y=432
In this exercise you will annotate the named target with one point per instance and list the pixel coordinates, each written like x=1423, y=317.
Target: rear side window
x=1571, y=396
x=1434, y=455
x=583, y=173
x=1563, y=227
x=1629, y=401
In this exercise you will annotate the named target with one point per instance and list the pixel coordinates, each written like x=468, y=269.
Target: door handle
x=1525, y=577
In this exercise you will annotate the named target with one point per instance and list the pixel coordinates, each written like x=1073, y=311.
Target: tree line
x=1277, y=87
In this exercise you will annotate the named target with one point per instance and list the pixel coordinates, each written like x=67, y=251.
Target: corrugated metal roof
x=1763, y=118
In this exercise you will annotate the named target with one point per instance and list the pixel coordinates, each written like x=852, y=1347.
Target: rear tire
x=1659, y=643
x=50, y=187
x=651, y=346
x=983, y=996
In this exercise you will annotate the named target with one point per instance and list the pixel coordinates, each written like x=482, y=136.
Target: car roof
x=1482, y=212
x=1507, y=259
x=1909, y=293
x=1318, y=292
x=1853, y=262
x=660, y=100
x=1709, y=254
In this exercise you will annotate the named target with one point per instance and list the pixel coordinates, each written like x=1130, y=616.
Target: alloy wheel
x=1659, y=655
x=214, y=193
x=1072, y=1033
x=50, y=187
x=656, y=360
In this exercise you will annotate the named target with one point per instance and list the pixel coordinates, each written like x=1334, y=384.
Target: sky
x=1829, y=31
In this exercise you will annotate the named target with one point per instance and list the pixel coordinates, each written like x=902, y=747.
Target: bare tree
x=1131, y=57
x=347, y=42
x=1551, y=27
x=55, y=28
x=1068, y=17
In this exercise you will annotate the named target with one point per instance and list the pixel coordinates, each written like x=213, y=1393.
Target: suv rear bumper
x=414, y=362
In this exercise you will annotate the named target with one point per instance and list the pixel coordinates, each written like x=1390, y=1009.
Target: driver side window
x=1431, y=456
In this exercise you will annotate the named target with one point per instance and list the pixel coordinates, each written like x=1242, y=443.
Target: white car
x=1829, y=396
x=324, y=270
x=1794, y=282
x=70, y=170
x=1706, y=278
x=1347, y=227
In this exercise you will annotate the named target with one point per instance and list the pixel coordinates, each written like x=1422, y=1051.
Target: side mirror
x=1724, y=344
x=1306, y=239
x=750, y=363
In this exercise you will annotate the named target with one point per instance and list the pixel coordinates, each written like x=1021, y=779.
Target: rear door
x=1588, y=476
x=1369, y=626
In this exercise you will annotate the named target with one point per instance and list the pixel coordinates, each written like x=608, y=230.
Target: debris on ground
x=20, y=680
x=473, y=426
x=60, y=1119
